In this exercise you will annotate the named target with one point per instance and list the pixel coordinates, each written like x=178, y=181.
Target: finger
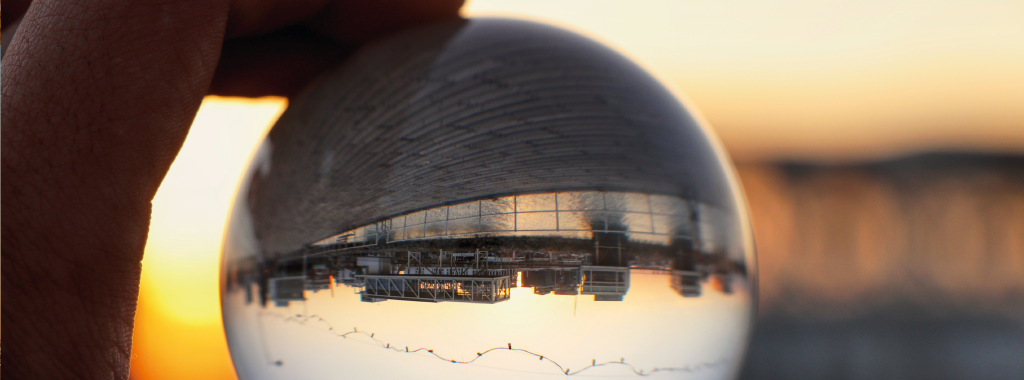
x=346, y=21
x=282, y=61
x=97, y=99
x=268, y=60
x=15, y=9
x=278, y=64
x=359, y=21
x=8, y=35
x=98, y=96
x=250, y=17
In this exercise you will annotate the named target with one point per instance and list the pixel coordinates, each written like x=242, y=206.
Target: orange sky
x=819, y=80
x=178, y=331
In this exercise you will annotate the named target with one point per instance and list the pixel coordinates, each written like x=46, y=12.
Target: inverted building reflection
x=565, y=244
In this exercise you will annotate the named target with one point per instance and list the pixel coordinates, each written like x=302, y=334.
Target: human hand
x=97, y=99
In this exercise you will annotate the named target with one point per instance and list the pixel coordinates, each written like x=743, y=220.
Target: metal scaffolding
x=436, y=288
x=605, y=283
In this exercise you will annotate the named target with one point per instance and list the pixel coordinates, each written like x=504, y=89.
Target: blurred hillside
x=909, y=268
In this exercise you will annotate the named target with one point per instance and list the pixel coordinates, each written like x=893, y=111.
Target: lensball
x=486, y=199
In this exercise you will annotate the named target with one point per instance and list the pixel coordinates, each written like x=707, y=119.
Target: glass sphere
x=485, y=199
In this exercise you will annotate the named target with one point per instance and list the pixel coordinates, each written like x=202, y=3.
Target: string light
x=593, y=363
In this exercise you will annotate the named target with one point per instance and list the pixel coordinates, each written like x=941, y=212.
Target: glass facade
x=653, y=219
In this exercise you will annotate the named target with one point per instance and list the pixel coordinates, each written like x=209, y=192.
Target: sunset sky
x=808, y=80
x=822, y=79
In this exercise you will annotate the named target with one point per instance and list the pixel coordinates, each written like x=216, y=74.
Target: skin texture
x=98, y=96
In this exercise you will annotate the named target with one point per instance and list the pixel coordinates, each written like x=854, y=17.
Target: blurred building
x=286, y=289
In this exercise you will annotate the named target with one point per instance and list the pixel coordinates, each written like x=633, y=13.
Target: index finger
x=98, y=97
